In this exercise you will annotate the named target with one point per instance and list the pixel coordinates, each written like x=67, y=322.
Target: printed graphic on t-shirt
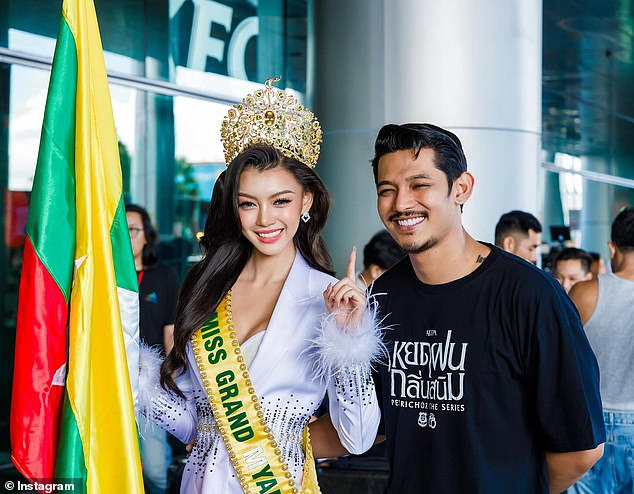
x=429, y=376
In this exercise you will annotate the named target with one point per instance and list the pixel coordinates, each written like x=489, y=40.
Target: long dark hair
x=226, y=251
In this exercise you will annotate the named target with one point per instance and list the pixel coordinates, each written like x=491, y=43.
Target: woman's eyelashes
x=279, y=202
x=246, y=204
x=282, y=201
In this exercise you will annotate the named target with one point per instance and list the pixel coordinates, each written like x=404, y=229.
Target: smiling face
x=414, y=202
x=270, y=203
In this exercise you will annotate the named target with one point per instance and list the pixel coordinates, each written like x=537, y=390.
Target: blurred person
x=263, y=330
x=379, y=254
x=158, y=292
x=491, y=385
x=607, y=311
x=519, y=233
x=570, y=266
x=598, y=266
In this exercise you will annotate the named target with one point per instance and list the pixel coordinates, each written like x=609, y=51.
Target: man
x=519, y=233
x=598, y=266
x=572, y=265
x=379, y=255
x=607, y=311
x=490, y=385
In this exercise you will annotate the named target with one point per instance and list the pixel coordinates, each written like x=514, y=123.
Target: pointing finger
x=352, y=260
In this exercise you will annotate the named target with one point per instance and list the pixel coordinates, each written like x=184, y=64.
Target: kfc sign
x=222, y=36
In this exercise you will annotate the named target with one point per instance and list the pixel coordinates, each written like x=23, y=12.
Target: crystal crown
x=271, y=116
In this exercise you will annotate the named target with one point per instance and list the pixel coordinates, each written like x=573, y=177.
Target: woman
x=158, y=291
x=263, y=330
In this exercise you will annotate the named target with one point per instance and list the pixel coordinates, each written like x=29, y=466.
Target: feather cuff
x=337, y=349
x=150, y=360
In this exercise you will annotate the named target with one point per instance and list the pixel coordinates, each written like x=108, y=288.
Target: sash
x=255, y=455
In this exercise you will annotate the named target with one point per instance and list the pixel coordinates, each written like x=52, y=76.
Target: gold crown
x=270, y=116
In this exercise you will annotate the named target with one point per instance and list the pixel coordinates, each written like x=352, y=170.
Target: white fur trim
x=338, y=348
x=150, y=360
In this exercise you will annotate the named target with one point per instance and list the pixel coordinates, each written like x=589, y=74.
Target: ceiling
x=588, y=82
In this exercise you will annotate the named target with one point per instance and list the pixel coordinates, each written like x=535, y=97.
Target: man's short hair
x=622, y=234
x=515, y=222
x=448, y=154
x=382, y=250
x=574, y=254
x=596, y=257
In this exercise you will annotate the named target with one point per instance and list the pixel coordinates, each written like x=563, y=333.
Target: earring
x=305, y=216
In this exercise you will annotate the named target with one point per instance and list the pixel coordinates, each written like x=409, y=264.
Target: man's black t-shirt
x=158, y=293
x=484, y=375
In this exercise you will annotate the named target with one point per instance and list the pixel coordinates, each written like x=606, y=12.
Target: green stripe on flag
x=51, y=223
x=56, y=171
x=70, y=453
x=122, y=251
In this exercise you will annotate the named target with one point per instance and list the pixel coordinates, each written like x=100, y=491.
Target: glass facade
x=174, y=66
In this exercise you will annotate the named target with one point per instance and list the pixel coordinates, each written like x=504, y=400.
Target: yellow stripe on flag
x=98, y=383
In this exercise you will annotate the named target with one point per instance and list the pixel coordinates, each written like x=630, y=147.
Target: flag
x=72, y=410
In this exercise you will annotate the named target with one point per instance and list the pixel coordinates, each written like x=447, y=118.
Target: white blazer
x=299, y=345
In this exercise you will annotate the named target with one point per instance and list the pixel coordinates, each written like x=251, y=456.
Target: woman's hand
x=345, y=298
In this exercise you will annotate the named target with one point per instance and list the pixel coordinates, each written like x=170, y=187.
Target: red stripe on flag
x=40, y=350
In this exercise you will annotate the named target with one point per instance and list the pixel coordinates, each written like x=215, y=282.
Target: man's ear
x=612, y=248
x=508, y=244
x=463, y=188
x=375, y=271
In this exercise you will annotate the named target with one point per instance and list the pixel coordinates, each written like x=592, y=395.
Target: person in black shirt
x=158, y=292
x=490, y=385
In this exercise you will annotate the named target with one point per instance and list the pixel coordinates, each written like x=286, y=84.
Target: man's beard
x=417, y=249
x=411, y=248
